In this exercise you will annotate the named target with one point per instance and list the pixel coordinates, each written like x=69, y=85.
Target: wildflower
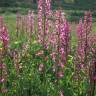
x=4, y=90
x=54, y=68
x=60, y=74
x=30, y=23
x=41, y=67
x=94, y=78
x=61, y=65
x=16, y=59
x=3, y=33
x=83, y=31
x=65, y=40
x=53, y=55
x=92, y=40
x=43, y=23
x=2, y=80
x=40, y=20
x=41, y=52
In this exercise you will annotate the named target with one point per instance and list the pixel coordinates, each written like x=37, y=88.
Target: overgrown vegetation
x=43, y=54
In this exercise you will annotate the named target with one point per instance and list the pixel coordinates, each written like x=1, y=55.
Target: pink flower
x=3, y=77
x=41, y=67
x=65, y=40
x=61, y=65
x=40, y=53
x=43, y=22
x=94, y=78
x=48, y=7
x=2, y=80
x=83, y=30
x=53, y=55
x=60, y=74
x=4, y=90
x=4, y=36
x=2, y=66
x=30, y=20
x=80, y=30
x=40, y=21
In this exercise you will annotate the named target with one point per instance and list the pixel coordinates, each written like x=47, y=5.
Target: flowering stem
x=92, y=76
x=44, y=33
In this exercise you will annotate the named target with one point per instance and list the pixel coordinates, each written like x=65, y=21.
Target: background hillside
x=80, y=4
x=73, y=8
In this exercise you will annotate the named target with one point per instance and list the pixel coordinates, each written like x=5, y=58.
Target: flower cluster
x=3, y=77
x=4, y=73
x=61, y=41
x=16, y=60
x=4, y=36
x=25, y=24
x=83, y=30
x=43, y=21
x=40, y=21
x=30, y=23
